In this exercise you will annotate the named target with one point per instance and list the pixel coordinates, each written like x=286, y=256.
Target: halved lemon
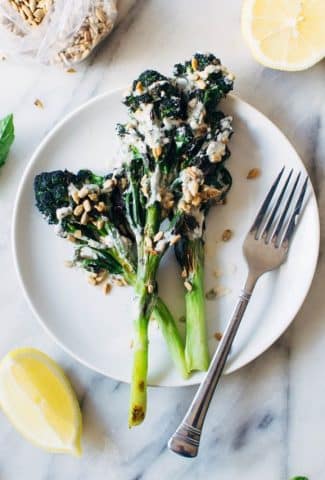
x=285, y=34
x=38, y=399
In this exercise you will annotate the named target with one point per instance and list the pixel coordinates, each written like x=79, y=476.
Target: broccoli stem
x=146, y=297
x=196, y=346
x=138, y=394
x=171, y=334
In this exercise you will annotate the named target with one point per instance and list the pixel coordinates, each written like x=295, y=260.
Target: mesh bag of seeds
x=54, y=31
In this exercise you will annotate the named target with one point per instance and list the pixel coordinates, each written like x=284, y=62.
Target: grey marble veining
x=267, y=420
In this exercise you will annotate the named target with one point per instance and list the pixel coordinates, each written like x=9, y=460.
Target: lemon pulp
x=285, y=34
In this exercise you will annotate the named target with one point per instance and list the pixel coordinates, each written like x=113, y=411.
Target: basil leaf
x=299, y=478
x=7, y=135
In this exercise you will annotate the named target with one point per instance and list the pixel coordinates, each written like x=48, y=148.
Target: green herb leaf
x=299, y=478
x=7, y=135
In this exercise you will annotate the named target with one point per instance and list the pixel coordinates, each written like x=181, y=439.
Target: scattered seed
x=68, y=263
x=196, y=201
x=182, y=319
x=78, y=210
x=150, y=288
x=84, y=218
x=194, y=63
x=120, y=282
x=38, y=103
x=188, y=286
x=83, y=192
x=107, y=288
x=71, y=238
x=77, y=234
x=157, y=151
x=218, y=336
x=139, y=87
x=253, y=173
x=75, y=196
x=211, y=294
x=71, y=70
x=93, y=197
x=226, y=235
x=100, y=207
x=101, y=277
x=92, y=280
x=100, y=224
x=100, y=14
x=86, y=205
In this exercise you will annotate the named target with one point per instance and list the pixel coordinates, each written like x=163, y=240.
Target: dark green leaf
x=7, y=135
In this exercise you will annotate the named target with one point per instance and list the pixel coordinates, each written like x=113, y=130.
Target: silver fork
x=265, y=248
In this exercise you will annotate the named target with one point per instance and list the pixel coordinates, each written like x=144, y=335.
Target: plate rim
x=14, y=242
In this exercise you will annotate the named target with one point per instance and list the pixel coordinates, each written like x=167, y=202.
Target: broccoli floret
x=171, y=107
x=153, y=88
x=205, y=59
x=51, y=192
x=87, y=176
x=200, y=60
x=134, y=101
x=218, y=80
x=148, y=77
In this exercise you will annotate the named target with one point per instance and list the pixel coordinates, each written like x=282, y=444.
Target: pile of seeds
x=69, y=34
x=32, y=11
x=93, y=29
x=87, y=201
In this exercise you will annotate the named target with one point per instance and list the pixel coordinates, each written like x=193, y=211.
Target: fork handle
x=186, y=439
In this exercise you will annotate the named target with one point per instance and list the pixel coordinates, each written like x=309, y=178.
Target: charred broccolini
x=87, y=209
x=172, y=149
x=202, y=145
x=175, y=144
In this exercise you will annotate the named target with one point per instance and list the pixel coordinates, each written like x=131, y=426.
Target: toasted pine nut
x=75, y=196
x=157, y=151
x=78, y=210
x=87, y=205
x=100, y=207
x=84, y=219
x=83, y=192
x=194, y=63
x=107, y=288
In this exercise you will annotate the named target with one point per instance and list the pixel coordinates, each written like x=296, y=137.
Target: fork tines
x=276, y=219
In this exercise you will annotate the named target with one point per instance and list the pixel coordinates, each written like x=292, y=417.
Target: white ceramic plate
x=97, y=329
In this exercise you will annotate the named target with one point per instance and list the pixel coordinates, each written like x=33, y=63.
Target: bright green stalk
x=171, y=334
x=146, y=297
x=196, y=346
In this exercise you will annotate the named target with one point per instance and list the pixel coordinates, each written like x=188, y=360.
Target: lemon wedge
x=285, y=34
x=38, y=399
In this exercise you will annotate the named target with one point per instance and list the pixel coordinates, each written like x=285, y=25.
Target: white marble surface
x=267, y=420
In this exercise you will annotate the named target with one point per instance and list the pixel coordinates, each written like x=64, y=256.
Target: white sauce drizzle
x=63, y=212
